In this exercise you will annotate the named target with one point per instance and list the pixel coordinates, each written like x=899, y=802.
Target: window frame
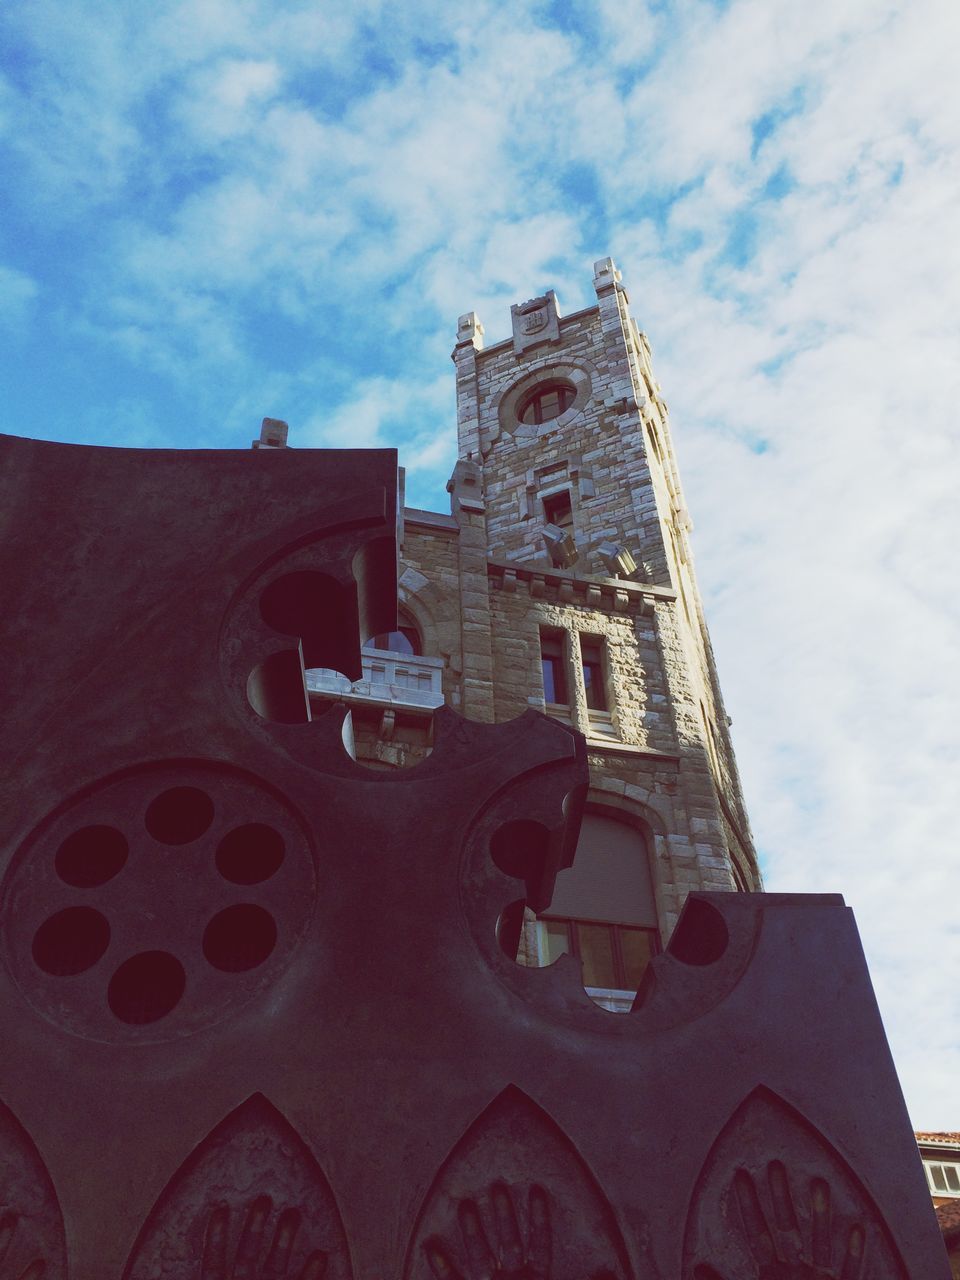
x=556, y=511
x=593, y=658
x=553, y=652
x=535, y=397
x=622, y=981
x=943, y=1166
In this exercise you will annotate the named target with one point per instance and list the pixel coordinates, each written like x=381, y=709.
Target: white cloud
x=18, y=293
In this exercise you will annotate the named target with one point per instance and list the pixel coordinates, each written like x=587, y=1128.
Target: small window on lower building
x=552, y=663
x=944, y=1179
x=591, y=656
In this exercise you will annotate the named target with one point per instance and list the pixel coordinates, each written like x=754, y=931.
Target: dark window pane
x=405, y=640
x=953, y=1181
x=554, y=685
x=593, y=683
x=557, y=509
x=636, y=948
x=936, y=1175
x=591, y=654
x=595, y=945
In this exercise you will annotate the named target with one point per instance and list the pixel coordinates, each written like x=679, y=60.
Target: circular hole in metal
x=179, y=815
x=250, y=854
x=91, y=856
x=701, y=935
x=239, y=938
x=71, y=941
x=146, y=987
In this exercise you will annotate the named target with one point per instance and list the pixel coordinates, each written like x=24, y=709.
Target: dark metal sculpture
x=260, y=1017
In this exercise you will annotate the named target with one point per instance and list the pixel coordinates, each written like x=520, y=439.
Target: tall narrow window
x=552, y=664
x=558, y=510
x=591, y=656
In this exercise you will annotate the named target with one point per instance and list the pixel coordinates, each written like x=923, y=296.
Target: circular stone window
x=546, y=401
x=157, y=903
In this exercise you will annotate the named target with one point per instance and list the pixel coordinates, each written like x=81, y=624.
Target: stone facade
x=483, y=587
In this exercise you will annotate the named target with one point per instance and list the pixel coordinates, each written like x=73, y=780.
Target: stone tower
x=562, y=580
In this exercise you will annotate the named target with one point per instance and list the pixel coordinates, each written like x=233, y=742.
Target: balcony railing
x=389, y=680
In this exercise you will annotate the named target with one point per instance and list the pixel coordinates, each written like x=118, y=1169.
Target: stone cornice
x=617, y=594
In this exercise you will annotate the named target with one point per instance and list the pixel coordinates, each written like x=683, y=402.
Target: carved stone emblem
x=534, y=321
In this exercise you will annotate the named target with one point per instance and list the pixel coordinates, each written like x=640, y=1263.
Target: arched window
x=546, y=402
x=603, y=909
x=406, y=639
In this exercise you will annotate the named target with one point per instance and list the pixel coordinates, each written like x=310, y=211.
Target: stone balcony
x=390, y=680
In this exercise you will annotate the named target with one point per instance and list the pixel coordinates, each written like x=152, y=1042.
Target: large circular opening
x=701, y=935
x=250, y=854
x=239, y=938
x=71, y=941
x=91, y=856
x=179, y=815
x=146, y=987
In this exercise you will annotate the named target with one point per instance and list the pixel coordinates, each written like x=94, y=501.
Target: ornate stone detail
x=515, y=1201
x=251, y=1203
x=776, y=1202
x=31, y=1226
x=534, y=321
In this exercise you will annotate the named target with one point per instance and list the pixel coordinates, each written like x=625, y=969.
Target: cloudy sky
x=216, y=210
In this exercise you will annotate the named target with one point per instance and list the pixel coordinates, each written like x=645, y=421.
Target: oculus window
x=546, y=402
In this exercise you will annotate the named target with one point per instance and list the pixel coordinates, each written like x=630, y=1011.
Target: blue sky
x=225, y=209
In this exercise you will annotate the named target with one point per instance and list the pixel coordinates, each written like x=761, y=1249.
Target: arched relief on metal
x=775, y=1201
x=32, y=1243
x=250, y=1201
x=227, y=855
x=516, y=1201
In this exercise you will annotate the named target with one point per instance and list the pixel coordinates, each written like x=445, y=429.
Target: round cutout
x=91, y=856
x=146, y=987
x=71, y=941
x=179, y=815
x=250, y=854
x=239, y=938
x=701, y=935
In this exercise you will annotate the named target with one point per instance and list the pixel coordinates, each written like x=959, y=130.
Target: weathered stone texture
x=481, y=587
